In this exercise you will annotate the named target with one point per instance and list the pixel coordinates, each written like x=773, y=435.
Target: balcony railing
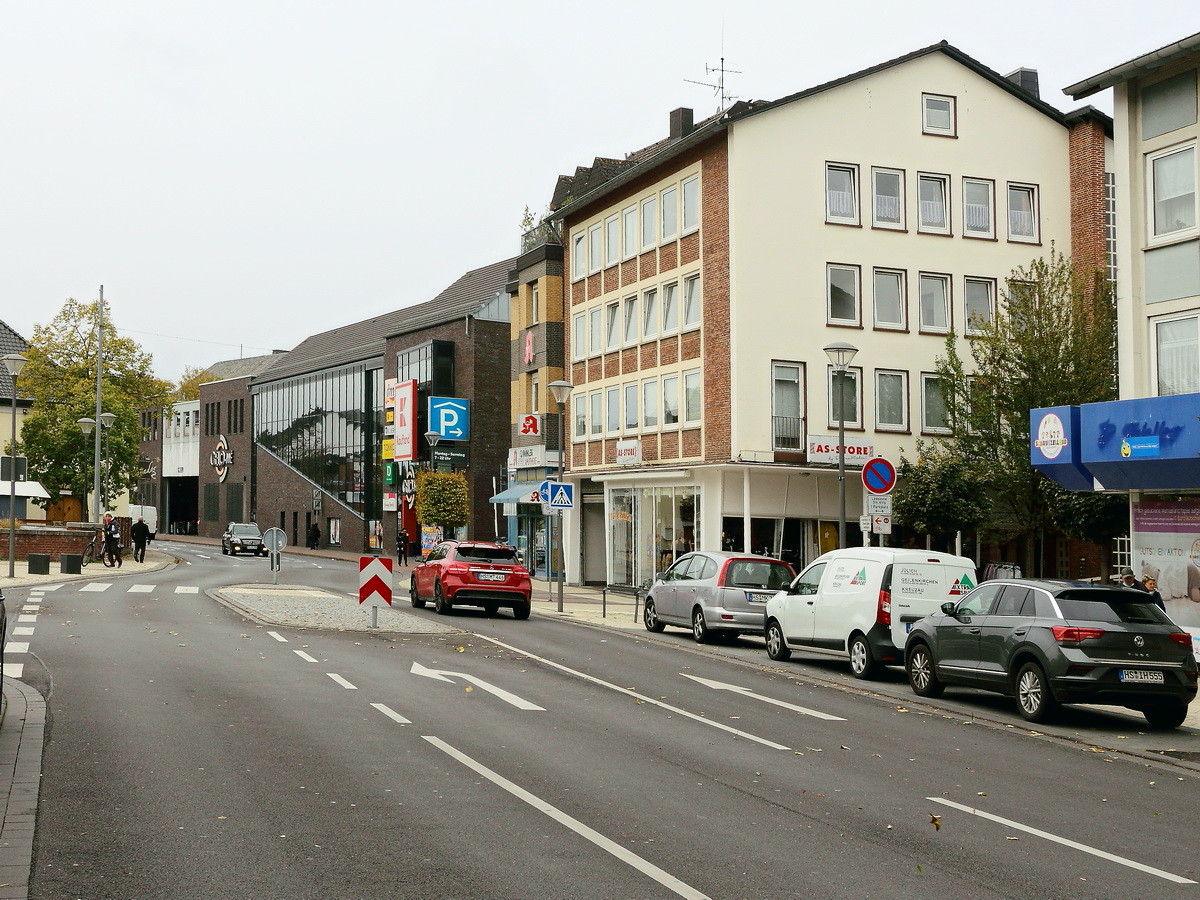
x=787, y=432
x=539, y=235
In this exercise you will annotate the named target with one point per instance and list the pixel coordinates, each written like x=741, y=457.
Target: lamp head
x=107, y=418
x=432, y=437
x=560, y=391
x=14, y=362
x=86, y=425
x=840, y=354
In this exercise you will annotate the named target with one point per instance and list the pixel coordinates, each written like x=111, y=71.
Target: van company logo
x=221, y=458
x=961, y=586
x=861, y=577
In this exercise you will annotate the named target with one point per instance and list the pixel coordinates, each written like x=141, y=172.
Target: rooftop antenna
x=719, y=87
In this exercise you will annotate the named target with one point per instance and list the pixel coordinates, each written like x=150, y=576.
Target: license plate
x=760, y=597
x=491, y=576
x=1140, y=676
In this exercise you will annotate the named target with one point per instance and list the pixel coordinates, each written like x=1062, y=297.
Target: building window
x=691, y=301
x=935, y=303
x=979, y=302
x=535, y=304
x=691, y=204
x=631, y=406
x=843, y=388
x=670, y=393
x=596, y=398
x=1022, y=213
x=787, y=411
x=631, y=320
x=649, y=222
x=691, y=397
x=612, y=240
x=978, y=199
x=596, y=335
x=579, y=255
x=670, y=214
x=579, y=337
x=891, y=401
x=612, y=326
x=1169, y=105
x=841, y=193
x=629, y=228
x=933, y=194
x=670, y=308
x=889, y=299
x=1177, y=354
x=887, y=209
x=534, y=405
x=649, y=314
x=595, y=247
x=938, y=115
x=579, y=408
x=1110, y=223
x=612, y=402
x=933, y=405
x=1173, y=194
x=842, y=294
x=650, y=403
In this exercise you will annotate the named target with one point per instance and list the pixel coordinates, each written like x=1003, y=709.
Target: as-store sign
x=824, y=449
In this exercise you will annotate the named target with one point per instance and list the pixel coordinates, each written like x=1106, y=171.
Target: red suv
x=472, y=573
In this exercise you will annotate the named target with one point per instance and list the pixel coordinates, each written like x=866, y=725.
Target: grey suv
x=242, y=537
x=715, y=593
x=1050, y=642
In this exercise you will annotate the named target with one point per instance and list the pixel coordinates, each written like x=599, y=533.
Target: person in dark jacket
x=140, y=534
x=402, y=547
x=112, y=541
x=314, y=536
x=1151, y=588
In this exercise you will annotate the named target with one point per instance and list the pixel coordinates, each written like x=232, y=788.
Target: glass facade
x=648, y=528
x=328, y=427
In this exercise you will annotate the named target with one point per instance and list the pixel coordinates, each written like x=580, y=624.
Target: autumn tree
x=60, y=377
x=190, y=381
x=442, y=499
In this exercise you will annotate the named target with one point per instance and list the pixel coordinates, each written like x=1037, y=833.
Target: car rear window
x=471, y=553
x=747, y=573
x=1111, y=608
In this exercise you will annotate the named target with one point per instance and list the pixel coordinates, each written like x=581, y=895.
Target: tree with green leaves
x=60, y=377
x=938, y=493
x=442, y=499
x=1051, y=342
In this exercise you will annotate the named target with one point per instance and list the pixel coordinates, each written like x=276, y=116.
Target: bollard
x=70, y=563
x=39, y=563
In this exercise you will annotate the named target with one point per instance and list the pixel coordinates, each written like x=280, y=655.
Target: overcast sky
x=239, y=175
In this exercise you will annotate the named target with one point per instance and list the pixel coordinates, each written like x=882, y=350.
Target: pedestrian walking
x=112, y=541
x=402, y=547
x=314, y=536
x=1151, y=587
x=140, y=533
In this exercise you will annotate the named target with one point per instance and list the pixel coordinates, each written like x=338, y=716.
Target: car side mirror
x=660, y=576
x=948, y=607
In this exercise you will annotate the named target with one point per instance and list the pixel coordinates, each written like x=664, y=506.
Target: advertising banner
x=404, y=439
x=1166, y=545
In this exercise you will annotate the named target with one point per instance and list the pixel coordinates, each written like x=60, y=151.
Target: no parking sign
x=879, y=475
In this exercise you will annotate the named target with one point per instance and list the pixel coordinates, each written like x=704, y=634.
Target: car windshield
x=471, y=553
x=1111, y=608
x=747, y=573
x=245, y=530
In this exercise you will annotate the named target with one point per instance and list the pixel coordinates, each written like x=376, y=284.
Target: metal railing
x=787, y=432
x=539, y=235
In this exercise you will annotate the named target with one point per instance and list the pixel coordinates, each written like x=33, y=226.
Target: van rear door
x=920, y=588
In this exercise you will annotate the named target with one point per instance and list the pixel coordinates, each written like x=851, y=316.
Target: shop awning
x=519, y=494
x=25, y=489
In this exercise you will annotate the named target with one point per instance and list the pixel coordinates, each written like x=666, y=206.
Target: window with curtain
x=888, y=206
x=1177, y=351
x=843, y=398
x=932, y=194
x=1174, y=177
x=1022, y=212
x=841, y=193
x=977, y=208
x=938, y=114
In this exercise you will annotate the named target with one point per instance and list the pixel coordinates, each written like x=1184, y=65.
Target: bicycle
x=89, y=552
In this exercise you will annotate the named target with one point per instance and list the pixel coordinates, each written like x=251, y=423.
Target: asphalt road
x=194, y=753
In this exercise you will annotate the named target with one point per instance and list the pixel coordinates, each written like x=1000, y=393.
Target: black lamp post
x=560, y=390
x=840, y=354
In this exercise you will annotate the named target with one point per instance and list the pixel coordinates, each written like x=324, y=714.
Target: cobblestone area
x=305, y=607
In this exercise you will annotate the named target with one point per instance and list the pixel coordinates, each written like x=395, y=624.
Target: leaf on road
x=983, y=793
x=935, y=821
x=460, y=649
x=901, y=709
x=1012, y=839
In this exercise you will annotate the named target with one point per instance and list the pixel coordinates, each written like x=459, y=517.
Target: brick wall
x=1088, y=202
x=238, y=439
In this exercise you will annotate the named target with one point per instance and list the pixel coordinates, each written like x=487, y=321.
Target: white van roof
x=889, y=555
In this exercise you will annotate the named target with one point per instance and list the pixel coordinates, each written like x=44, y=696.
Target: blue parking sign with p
x=450, y=417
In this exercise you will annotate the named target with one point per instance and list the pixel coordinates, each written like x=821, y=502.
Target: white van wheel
x=862, y=662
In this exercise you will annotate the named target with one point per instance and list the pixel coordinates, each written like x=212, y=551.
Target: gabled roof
x=1135, y=68
x=10, y=342
x=365, y=340
x=243, y=368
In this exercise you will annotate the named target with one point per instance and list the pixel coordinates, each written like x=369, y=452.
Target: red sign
x=405, y=438
x=879, y=475
x=375, y=580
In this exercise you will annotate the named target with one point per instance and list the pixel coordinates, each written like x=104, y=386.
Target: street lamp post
x=106, y=423
x=14, y=362
x=88, y=426
x=560, y=390
x=840, y=354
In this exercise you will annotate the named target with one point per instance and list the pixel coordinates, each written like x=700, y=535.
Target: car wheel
x=650, y=618
x=777, y=647
x=1033, y=694
x=521, y=610
x=491, y=608
x=440, y=604
x=413, y=597
x=699, y=626
x=862, y=660
x=922, y=677
x=224, y=550
x=1168, y=714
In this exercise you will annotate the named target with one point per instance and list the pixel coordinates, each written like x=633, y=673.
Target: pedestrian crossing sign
x=559, y=495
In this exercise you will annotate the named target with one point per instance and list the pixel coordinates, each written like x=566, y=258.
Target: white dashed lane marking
x=342, y=681
x=140, y=588
x=16, y=647
x=392, y=714
x=22, y=630
x=279, y=637
x=96, y=586
x=187, y=590
x=51, y=587
x=304, y=656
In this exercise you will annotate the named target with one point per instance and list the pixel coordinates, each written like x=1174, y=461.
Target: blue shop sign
x=1054, y=446
x=1152, y=443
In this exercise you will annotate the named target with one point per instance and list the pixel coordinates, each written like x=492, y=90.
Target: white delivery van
x=861, y=602
x=149, y=514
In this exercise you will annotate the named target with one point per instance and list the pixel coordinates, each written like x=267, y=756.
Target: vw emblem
x=1139, y=641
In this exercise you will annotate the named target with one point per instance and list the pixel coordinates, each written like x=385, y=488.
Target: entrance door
x=592, y=541
x=827, y=536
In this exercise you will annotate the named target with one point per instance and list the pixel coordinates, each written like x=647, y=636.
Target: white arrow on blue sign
x=450, y=417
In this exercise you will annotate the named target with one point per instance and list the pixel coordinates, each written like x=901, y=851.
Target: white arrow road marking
x=666, y=879
x=304, y=656
x=746, y=692
x=641, y=697
x=1141, y=867
x=418, y=669
x=342, y=681
x=391, y=714
x=279, y=637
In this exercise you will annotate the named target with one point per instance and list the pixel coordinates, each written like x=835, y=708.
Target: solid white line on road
x=1150, y=870
x=14, y=670
x=342, y=681
x=141, y=588
x=391, y=714
x=16, y=647
x=279, y=637
x=187, y=590
x=666, y=879
x=642, y=697
x=96, y=586
x=746, y=692
x=22, y=629
x=202, y=556
x=304, y=656
x=27, y=618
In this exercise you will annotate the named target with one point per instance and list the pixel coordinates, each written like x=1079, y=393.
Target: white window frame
x=902, y=375
x=689, y=207
x=901, y=278
x=629, y=320
x=596, y=331
x=988, y=233
x=650, y=404
x=923, y=226
x=650, y=323
x=612, y=240
x=579, y=255
x=1035, y=211
x=579, y=342
x=535, y=297
x=534, y=405
x=669, y=213
x=650, y=222
x=612, y=411
x=670, y=307
x=841, y=217
x=928, y=127
x=1155, y=350
x=596, y=414
x=1153, y=236
x=926, y=428
x=876, y=222
x=595, y=247
x=579, y=413
x=854, y=372
x=856, y=271
x=789, y=367
x=692, y=382
x=629, y=231
x=612, y=326
x=632, y=408
x=968, y=328
x=948, y=303
x=692, y=300
x=670, y=385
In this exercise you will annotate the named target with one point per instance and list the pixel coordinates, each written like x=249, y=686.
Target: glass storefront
x=648, y=528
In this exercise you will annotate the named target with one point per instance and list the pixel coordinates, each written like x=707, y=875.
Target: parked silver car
x=714, y=593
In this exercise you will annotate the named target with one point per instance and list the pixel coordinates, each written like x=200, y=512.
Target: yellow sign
x=387, y=448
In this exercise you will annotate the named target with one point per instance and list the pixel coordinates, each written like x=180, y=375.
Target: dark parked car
x=715, y=592
x=472, y=573
x=1050, y=642
x=243, y=537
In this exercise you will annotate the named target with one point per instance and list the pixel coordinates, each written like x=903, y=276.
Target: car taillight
x=457, y=569
x=1183, y=639
x=883, y=614
x=1069, y=634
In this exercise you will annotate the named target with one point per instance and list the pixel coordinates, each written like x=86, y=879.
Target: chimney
x=681, y=123
x=1026, y=80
